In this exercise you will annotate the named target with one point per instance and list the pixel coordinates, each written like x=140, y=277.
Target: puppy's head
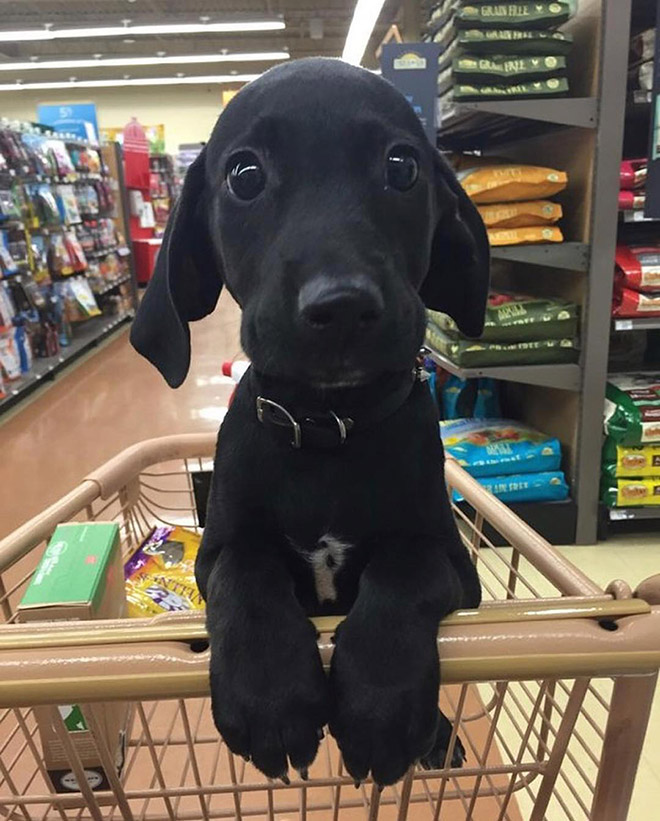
x=322, y=207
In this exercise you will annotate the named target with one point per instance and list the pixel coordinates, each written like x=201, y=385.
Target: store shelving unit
x=583, y=135
x=88, y=333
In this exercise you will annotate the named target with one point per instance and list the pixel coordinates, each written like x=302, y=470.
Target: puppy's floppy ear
x=185, y=286
x=459, y=272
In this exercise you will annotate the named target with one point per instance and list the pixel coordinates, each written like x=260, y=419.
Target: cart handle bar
x=24, y=637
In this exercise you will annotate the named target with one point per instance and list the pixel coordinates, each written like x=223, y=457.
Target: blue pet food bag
x=499, y=447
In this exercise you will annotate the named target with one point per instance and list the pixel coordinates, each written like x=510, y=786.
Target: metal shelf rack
x=570, y=256
x=584, y=132
x=565, y=376
x=644, y=323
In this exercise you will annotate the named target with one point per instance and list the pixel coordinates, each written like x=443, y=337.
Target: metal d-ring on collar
x=263, y=404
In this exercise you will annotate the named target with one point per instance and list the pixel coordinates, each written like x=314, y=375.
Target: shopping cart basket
x=549, y=684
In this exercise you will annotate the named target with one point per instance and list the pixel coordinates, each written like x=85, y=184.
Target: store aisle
x=110, y=401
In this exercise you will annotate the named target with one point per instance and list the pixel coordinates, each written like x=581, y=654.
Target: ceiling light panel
x=113, y=62
x=214, y=79
x=29, y=35
x=362, y=25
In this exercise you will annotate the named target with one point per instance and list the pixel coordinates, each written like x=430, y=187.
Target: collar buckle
x=269, y=411
x=272, y=413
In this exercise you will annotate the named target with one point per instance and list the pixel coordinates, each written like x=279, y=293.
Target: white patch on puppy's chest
x=326, y=560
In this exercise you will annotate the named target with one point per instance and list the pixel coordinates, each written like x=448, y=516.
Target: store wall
x=187, y=112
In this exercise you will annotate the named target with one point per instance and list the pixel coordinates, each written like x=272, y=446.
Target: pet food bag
x=511, y=183
x=630, y=492
x=468, y=353
x=468, y=398
x=537, y=15
x=160, y=575
x=548, y=486
x=518, y=318
x=524, y=236
x=551, y=87
x=629, y=303
x=638, y=266
x=533, y=213
x=632, y=409
x=632, y=200
x=621, y=461
x=633, y=173
x=482, y=69
x=499, y=447
x=514, y=41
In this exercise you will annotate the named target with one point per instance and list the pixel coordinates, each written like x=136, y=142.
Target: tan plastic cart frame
x=549, y=684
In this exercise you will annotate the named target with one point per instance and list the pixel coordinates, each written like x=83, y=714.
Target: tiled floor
x=115, y=398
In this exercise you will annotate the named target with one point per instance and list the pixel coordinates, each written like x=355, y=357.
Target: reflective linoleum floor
x=114, y=398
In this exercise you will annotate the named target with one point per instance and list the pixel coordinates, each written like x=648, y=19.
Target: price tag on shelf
x=623, y=324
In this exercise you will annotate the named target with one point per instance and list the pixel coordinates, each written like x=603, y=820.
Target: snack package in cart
x=160, y=575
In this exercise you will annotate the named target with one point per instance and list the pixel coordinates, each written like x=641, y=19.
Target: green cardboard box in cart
x=80, y=577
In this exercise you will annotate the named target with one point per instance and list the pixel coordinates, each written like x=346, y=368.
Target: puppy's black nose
x=327, y=306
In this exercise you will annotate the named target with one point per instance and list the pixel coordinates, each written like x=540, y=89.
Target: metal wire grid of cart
x=549, y=684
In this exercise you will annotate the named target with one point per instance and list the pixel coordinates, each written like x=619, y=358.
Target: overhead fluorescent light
x=362, y=25
x=214, y=79
x=27, y=35
x=113, y=62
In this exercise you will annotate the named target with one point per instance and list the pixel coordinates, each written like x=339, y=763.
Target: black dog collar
x=328, y=429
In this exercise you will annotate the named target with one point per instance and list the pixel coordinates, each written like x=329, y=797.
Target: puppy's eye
x=245, y=176
x=402, y=168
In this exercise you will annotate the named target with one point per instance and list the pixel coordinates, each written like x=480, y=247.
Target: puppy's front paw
x=384, y=700
x=435, y=758
x=270, y=699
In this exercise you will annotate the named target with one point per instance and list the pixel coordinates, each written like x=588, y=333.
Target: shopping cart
x=549, y=684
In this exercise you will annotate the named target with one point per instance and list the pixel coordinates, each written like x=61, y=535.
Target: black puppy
x=322, y=207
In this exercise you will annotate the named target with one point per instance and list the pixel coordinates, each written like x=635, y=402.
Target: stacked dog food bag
x=518, y=330
x=511, y=460
x=641, y=64
x=632, y=185
x=495, y=50
x=637, y=281
x=514, y=199
x=631, y=453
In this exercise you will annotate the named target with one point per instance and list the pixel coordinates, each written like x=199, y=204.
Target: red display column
x=141, y=220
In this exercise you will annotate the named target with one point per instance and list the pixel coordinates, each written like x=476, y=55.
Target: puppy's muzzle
x=340, y=310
